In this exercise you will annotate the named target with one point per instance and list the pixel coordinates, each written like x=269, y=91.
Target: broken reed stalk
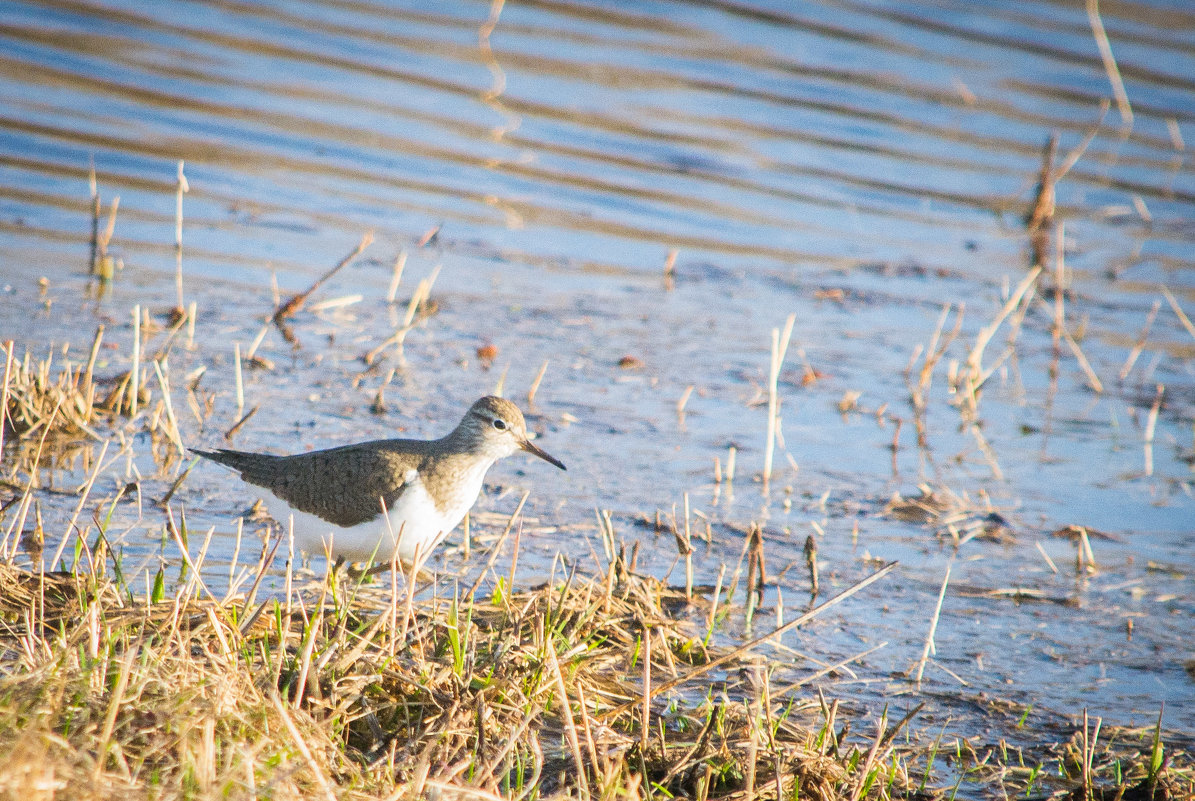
x=688, y=552
x=93, y=268
x=514, y=556
x=1105, y=48
x=1139, y=345
x=400, y=263
x=239, y=424
x=645, y=729
x=1182, y=316
x=1076, y=152
x=933, y=628
x=420, y=295
x=1041, y=213
x=105, y=268
x=1059, y=284
x=84, y=493
x=135, y=372
x=869, y=761
x=811, y=561
x=756, y=571
x=238, y=378
x=171, y=431
x=570, y=726
x=497, y=547
x=1093, y=380
x=973, y=375
x=296, y=302
x=1151, y=423
x=779, y=349
x=534, y=388
x=684, y=546
x=181, y=188
x=8, y=346
x=934, y=352
x=680, y=407
x=670, y=265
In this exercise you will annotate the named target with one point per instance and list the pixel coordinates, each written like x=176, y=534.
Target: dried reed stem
x=680, y=407
x=238, y=378
x=1183, y=318
x=172, y=431
x=1105, y=47
x=497, y=546
x=645, y=726
x=300, y=743
x=1139, y=345
x=1072, y=157
x=8, y=347
x=135, y=373
x=570, y=726
x=973, y=374
x=1049, y=562
x=422, y=293
x=811, y=561
x=539, y=377
x=933, y=627
x=400, y=263
x=182, y=188
x=1151, y=423
x=779, y=349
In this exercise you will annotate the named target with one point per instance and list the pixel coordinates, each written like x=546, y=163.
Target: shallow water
x=858, y=165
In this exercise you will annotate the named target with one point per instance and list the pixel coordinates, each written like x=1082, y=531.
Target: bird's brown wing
x=343, y=486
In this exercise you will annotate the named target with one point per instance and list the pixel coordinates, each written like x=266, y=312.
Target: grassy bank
x=599, y=687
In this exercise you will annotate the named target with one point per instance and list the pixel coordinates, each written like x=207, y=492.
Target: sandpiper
x=367, y=501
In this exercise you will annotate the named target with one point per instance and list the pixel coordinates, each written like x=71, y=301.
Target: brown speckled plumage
x=426, y=486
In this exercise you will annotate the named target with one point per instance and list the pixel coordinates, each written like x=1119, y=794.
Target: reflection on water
x=863, y=165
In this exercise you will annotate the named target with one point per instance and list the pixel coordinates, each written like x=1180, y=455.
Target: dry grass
x=51, y=405
x=349, y=695
x=345, y=691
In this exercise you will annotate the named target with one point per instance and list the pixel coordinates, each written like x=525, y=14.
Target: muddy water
x=862, y=166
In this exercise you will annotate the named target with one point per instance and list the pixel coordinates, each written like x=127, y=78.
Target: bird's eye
x=499, y=424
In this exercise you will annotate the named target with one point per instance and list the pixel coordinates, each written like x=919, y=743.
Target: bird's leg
x=380, y=567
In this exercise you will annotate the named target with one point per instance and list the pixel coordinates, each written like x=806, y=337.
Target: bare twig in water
x=296, y=302
x=245, y=418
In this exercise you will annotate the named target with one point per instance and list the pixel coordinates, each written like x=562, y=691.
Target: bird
x=371, y=501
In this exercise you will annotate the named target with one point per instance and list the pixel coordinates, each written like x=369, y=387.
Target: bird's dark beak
x=530, y=448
